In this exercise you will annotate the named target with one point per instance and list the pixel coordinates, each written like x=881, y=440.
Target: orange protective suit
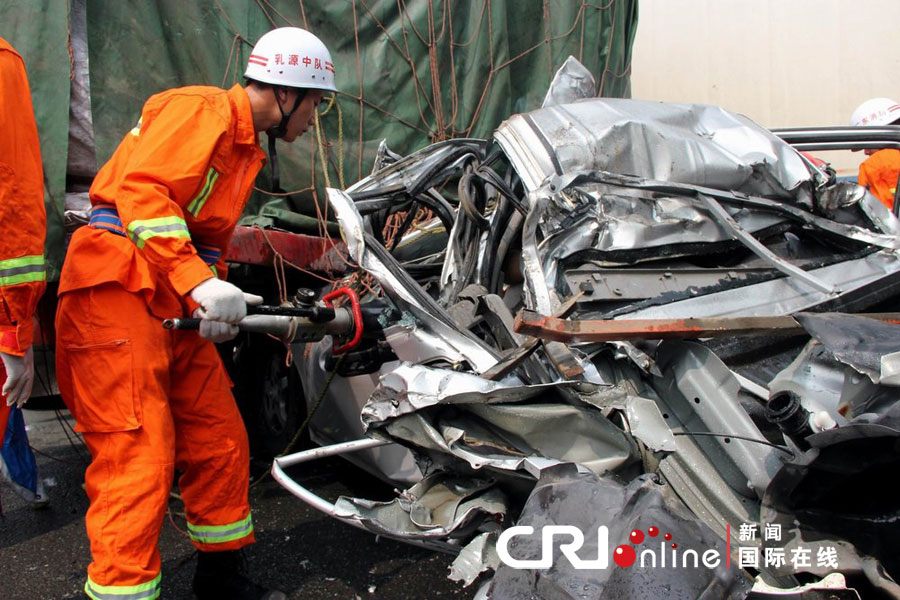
x=879, y=174
x=22, y=217
x=146, y=399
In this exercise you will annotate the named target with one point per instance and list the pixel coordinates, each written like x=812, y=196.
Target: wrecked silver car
x=622, y=324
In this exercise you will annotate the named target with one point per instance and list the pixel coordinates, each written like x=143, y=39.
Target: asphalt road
x=44, y=553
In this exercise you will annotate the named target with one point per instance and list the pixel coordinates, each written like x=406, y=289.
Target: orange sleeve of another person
x=22, y=216
x=879, y=175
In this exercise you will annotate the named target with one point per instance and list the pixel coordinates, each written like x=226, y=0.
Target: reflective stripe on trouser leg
x=143, y=591
x=220, y=534
x=211, y=448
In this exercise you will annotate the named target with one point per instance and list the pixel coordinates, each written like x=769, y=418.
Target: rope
x=303, y=426
x=282, y=194
x=283, y=18
x=66, y=427
x=69, y=44
x=315, y=408
x=332, y=103
x=436, y=89
x=303, y=14
x=321, y=148
x=289, y=263
x=360, y=81
x=341, y=148
x=170, y=513
x=231, y=58
x=231, y=26
x=57, y=459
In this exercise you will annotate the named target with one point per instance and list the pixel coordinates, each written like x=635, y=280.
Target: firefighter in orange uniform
x=22, y=231
x=149, y=400
x=879, y=173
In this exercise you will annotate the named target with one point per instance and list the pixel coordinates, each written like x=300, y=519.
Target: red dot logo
x=624, y=556
x=637, y=536
x=668, y=536
x=653, y=532
x=674, y=546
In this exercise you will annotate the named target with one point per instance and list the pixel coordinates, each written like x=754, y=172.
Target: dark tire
x=269, y=395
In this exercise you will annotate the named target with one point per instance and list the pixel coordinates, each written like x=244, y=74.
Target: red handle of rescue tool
x=357, y=317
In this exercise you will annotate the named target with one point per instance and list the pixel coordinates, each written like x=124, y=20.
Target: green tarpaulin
x=411, y=72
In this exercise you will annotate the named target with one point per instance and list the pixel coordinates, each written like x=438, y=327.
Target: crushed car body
x=652, y=216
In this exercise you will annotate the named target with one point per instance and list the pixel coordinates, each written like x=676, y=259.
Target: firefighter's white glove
x=217, y=331
x=19, y=377
x=222, y=301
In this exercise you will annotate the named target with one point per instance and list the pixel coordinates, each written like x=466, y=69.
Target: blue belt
x=105, y=216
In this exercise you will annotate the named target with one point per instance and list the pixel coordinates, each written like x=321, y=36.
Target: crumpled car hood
x=680, y=143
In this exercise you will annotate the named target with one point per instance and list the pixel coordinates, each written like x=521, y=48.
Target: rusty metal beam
x=252, y=245
x=601, y=330
x=515, y=356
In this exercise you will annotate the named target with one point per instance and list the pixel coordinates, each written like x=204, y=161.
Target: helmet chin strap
x=278, y=131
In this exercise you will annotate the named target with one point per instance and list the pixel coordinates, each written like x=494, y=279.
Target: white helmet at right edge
x=875, y=112
x=291, y=57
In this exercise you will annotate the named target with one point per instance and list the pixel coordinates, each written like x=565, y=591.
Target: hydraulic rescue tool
x=305, y=320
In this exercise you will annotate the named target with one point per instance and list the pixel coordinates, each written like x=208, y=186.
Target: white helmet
x=291, y=57
x=875, y=112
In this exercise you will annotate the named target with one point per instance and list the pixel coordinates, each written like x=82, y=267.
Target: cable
x=306, y=421
x=51, y=457
x=171, y=514
x=66, y=427
x=737, y=437
x=315, y=407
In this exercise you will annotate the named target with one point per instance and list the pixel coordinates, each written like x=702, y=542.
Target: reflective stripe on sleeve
x=197, y=203
x=24, y=269
x=141, y=231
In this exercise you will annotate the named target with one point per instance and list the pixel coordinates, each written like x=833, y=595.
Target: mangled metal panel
x=859, y=342
x=816, y=378
x=684, y=143
x=438, y=507
x=487, y=424
x=588, y=502
x=408, y=388
x=854, y=278
x=601, y=221
x=575, y=228
x=831, y=587
x=413, y=171
x=698, y=390
x=573, y=81
x=408, y=294
x=846, y=370
x=339, y=419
